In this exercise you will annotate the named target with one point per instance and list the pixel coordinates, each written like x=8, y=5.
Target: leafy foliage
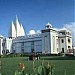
x=45, y=68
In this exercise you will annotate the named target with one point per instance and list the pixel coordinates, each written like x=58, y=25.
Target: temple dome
x=1, y=36
x=31, y=32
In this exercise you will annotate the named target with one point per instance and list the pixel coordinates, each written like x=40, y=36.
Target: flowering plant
x=20, y=70
x=21, y=66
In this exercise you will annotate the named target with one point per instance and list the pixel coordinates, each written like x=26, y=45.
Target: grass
x=62, y=64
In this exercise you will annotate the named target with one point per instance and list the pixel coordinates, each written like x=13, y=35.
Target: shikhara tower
x=16, y=29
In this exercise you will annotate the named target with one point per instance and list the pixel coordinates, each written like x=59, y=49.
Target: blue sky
x=34, y=14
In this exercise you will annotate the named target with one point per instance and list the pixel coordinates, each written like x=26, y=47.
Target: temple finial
x=16, y=17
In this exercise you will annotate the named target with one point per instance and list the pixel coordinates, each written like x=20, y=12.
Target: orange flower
x=21, y=66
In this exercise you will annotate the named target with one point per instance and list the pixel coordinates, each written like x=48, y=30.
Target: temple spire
x=12, y=31
x=16, y=29
x=22, y=31
x=17, y=19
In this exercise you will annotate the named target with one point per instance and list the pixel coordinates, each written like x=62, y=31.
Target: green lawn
x=9, y=65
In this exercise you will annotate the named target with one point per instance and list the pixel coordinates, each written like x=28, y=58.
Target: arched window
x=62, y=40
x=68, y=40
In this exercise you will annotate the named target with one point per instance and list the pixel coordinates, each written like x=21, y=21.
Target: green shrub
x=46, y=68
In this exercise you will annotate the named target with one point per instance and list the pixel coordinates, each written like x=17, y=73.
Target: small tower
x=49, y=37
x=22, y=31
x=18, y=28
x=65, y=40
x=1, y=44
x=48, y=26
x=46, y=47
x=12, y=31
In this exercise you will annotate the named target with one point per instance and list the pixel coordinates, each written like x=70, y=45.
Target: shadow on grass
x=53, y=58
x=58, y=58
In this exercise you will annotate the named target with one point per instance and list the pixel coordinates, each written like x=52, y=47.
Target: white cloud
x=58, y=29
x=71, y=27
x=38, y=32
